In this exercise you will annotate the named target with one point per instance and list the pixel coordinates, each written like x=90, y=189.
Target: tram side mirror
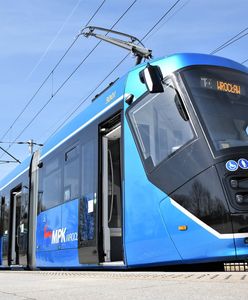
x=152, y=77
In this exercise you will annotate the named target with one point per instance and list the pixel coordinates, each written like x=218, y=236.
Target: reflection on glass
x=221, y=96
x=158, y=125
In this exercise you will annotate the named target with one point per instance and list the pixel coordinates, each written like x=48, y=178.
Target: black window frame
x=45, y=161
x=147, y=163
x=66, y=161
x=2, y=208
x=186, y=90
x=84, y=194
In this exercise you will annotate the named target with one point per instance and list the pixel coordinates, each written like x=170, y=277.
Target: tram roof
x=19, y=170
x=175, y=62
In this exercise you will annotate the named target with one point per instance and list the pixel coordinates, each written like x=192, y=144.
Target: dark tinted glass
x=51, y=178
x=89, y=189
x=114, y=184
x=221, y=98
x=159, y=128
x=2, y=204
x=71, y=174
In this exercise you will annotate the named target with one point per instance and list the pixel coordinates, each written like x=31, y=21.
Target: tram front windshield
x=220, y=97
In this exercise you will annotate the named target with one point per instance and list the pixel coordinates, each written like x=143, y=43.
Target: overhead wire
x=232, y=40
x=9, y=154
x=160, y=20
x=68, y=78
x=47, y=78
x=167, y=20
x=221, y=47
x=111, y=72
x=89, y=96
x=100, y=83
x=49, y=75
x=243, y=62
x=54, y=39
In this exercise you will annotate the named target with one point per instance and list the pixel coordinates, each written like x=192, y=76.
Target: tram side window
x=50, y=195
x=89, y=187
x=71, y=174
x=2, y=204
x=5, y=215
x=159, y=128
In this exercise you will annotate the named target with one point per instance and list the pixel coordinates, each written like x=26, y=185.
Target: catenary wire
x=107, y=76
x=227, y=43
x=122, y=60
x=68, y=78
x=53, y=40
x=232, y=40
x=87, y=97
x=160, y=20
x=46, y=79
x=168, y=19
x=243, y=62
x=50, y=74
x=9, y=154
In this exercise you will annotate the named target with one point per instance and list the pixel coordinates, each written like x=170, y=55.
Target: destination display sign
x=222, y=86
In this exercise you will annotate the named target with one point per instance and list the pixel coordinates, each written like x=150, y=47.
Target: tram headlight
x=242, y=198
x=239, y=199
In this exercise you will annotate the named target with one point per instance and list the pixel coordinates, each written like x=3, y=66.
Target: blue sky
x=35, y=34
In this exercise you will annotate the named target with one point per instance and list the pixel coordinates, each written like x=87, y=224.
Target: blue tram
x=154, y=172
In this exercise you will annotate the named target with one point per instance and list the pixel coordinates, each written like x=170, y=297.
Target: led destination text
x=228, y=87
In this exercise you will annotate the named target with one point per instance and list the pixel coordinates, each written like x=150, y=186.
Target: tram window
x=89, y=187
x=51, y=179
x=71, y=174
x=159, y=127
x=2, y=215
x=5, y=216
x=220, y=97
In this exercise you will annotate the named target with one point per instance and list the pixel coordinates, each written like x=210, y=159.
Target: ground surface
x=123, y=285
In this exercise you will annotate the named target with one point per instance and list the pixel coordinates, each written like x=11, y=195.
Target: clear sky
x=35, y=34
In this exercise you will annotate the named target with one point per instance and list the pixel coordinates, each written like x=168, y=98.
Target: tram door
x=18, y=226
x=2, y=202
x=111, y=193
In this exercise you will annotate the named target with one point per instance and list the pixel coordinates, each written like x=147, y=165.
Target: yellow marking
x=183, y=227
x=228, y=87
